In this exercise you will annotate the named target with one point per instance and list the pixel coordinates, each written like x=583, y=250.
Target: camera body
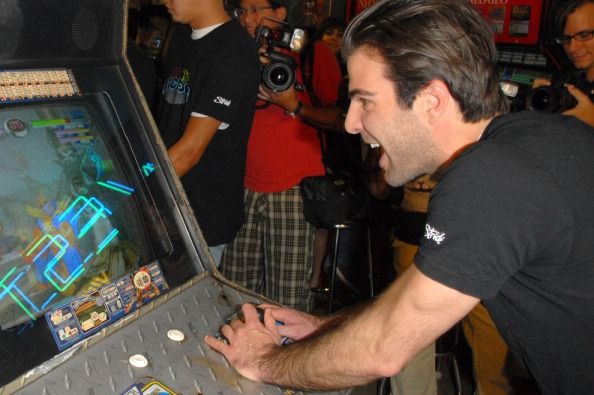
x=554, y=99
x=278, y=70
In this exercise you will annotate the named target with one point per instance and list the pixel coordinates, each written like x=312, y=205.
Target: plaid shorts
x=273, y=252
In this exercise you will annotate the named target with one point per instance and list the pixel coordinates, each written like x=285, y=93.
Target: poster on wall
x=512, y=21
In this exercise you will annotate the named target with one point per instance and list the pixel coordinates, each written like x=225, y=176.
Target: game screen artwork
x=72, y=239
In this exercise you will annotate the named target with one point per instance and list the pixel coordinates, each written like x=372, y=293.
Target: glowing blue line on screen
x=148, y=169
x=58, y=276
x=97, y=161
x=79, y=270
x=107, y=239
x=27, y=299
x=109, y=185
x=49, y=270
x=118, y=185
x=94, y=219
x=53, y=240
x=7, y=289
x=12, y=284
x=51, y=250
x=95, y=204
x=44, y=305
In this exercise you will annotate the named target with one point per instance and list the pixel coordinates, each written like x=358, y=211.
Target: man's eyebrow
x=360, y=92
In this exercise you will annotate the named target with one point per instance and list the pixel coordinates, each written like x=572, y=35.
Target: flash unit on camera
x=298, y=40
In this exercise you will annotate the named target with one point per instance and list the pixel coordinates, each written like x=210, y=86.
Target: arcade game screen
x=76, y=246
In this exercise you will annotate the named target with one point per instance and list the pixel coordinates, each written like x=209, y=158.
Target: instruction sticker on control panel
x=87, y=314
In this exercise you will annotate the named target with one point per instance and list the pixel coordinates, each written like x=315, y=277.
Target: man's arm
x=326, y=117
x=188, y=150
x=375, y=343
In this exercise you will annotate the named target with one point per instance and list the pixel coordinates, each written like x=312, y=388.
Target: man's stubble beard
x=413, y=153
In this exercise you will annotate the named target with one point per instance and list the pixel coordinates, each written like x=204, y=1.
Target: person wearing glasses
x=510, y=222
x=273, y=251
x=205, y=112
x=574, y=30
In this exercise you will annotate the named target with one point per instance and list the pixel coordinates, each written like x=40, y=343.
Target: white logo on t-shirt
x=433, y=234
x=223, y=101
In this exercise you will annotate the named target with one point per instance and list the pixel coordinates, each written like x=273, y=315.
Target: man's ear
x=435, y=98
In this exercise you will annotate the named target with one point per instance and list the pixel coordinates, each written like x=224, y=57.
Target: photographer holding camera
x=273, y=251
x=574, y=30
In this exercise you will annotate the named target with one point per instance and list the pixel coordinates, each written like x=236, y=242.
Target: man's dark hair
x=424, y=40
x=565, y=9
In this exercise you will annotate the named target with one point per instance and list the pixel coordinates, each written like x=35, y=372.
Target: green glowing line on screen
x=8, y=275
x=21, y=305
x=49, y=122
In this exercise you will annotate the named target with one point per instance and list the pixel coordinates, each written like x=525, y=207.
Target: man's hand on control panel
x=293, y=324
x=248, y=339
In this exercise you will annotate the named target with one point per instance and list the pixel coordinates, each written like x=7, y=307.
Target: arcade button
x=176, y=335
x=138, y=361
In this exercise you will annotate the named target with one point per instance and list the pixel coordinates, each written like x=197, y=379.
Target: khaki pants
x=418, y=376
x=489, y=353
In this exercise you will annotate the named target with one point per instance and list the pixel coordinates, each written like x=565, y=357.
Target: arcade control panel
x=157, y=350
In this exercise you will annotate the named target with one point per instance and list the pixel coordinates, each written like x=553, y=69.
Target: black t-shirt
x=216, y=76
x=512, y=223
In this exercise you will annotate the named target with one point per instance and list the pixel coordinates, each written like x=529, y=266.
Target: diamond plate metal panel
x=101, y=365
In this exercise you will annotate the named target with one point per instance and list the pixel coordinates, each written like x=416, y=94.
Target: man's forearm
x=349, y=349
x=329, y=117
x=338, y=318
x=374, y=342
x=311, y=363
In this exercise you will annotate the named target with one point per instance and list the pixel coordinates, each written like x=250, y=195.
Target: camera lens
x=278, y=76
x=550, y=99
x=543, y=99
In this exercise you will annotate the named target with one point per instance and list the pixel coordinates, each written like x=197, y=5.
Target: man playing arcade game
x=510, y=222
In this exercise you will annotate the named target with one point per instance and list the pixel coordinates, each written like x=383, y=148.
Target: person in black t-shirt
x=206, y=111
x=511, y=221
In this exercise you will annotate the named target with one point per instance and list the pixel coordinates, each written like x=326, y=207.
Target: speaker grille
x=85, y=28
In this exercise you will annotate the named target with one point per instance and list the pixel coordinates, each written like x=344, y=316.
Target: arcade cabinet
x=106, y=284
